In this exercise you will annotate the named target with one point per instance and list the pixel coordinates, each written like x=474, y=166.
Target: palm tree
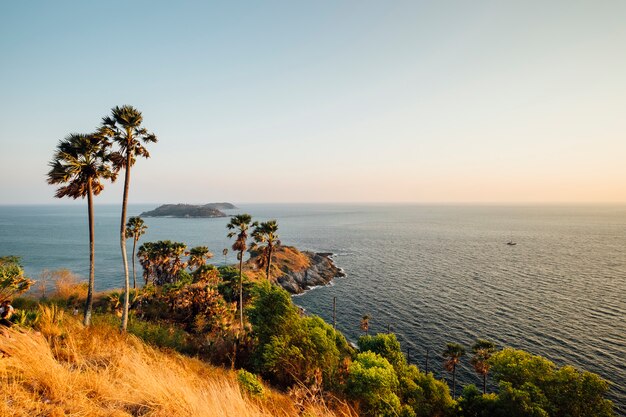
x=124, y=128
x=135, y=228
x=267, y=233
x=482, y=349
x=241, y=223
x=452, y=355
x=365, y=324
x=198, y=256
x=79, y=165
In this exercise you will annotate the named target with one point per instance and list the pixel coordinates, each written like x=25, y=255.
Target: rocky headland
x=297, y=271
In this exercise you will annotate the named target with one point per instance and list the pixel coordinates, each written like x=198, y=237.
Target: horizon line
x=397, y=203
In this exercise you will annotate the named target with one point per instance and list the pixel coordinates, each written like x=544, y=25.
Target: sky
x=325, y=101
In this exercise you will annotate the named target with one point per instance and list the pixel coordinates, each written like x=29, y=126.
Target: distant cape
x=189, y=210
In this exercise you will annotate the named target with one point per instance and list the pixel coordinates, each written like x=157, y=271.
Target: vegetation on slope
x=67, y=369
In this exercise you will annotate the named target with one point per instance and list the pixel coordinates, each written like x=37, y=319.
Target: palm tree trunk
x=269, y=264
x=241, y=289
x=134, y=275
x=92, y=253
x=484, y=384
x=454, y=382
x=123, y=243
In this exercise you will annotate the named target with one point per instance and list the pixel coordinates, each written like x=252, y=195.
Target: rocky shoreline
x=322, y=271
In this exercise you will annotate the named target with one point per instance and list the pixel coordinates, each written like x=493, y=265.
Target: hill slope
x=70, y=370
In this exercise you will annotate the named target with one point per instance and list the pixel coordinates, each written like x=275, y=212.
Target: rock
x=321, y=271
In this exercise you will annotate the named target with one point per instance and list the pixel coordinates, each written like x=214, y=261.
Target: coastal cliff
x=321, y=271
x=297, y=271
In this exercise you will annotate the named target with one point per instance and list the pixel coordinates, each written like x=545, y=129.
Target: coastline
x=320, y=273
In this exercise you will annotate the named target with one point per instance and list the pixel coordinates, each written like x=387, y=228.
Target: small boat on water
x=511, y=243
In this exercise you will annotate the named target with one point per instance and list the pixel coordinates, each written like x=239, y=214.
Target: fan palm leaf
x=79, y=166
x=124, y=128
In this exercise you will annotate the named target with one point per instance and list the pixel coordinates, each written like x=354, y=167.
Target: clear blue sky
x=293, y=101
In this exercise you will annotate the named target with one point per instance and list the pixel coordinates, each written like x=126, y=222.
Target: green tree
x=426, y=395
x=474, y=403
x=228, y=284
x=387, y=346
x=289, y=347
x=12, y=279
x=124, y=128
x=266, y=238
x=452, y=356
x=482, y=350
x=531, y=382
x=79, y=165
x=372, y=381
x=270, y=311
x=135, y=228
x=240, y=225
x=519, y=367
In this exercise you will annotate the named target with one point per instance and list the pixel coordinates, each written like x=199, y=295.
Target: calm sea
x=434, y=274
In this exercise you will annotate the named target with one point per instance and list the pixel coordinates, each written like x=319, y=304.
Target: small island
x=190, y=210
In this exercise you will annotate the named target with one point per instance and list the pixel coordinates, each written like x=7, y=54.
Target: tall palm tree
x=135, y=228
x=79, y=165
x=124, y=128
x=266, y=233
x=240, y=225
x=482, y=349
x=452, y=356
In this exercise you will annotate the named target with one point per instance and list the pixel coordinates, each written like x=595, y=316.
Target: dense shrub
x=373, y=382
x=228, y=284
x=250, y=384
x=12, y=279
x=530, y=385
x=426, y=395
x=290, y=348
x=387, y=346
x=199, y=307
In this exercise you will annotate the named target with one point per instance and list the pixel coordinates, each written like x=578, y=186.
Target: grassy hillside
x=65, y=369
x=285, y=259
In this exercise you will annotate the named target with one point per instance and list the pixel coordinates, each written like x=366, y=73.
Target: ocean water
x=434, y=274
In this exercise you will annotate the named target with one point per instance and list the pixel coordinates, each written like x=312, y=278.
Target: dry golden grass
x=68, y=370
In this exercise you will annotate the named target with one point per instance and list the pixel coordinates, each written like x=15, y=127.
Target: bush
x=250, y=384
x=12, y=279
x=387, y=346
x=25, y=318
x=535, y=386
x=372, y=381
x=291, y=348
x=156, y=334
x=472, y=403
x=199, y=307
x=426, y=395
x=229, y=284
